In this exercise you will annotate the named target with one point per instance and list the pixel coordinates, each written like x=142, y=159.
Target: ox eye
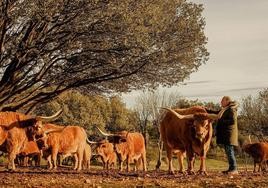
x=103, y=146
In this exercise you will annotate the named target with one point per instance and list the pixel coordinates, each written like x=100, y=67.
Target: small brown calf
x=259, y=152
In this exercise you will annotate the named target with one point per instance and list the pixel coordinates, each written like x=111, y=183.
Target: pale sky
x=237, y=32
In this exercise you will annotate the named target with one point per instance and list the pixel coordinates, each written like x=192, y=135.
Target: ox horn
x=189, y=116
x=105, y=134
x=249, y=139
x=52, y=131
x=91, y=142
x=49, y=118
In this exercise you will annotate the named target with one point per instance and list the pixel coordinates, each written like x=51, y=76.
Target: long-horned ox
x=16, y=129
x=187, y=130
x=69, y=140
x=128, y=146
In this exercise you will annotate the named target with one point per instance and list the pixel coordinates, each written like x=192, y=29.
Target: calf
x=106, y=151
x=129, y=147
x=259, y=152
x=30, y=151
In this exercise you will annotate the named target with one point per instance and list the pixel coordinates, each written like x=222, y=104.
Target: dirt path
x=39, y=177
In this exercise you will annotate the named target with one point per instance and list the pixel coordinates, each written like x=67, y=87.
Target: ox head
x=201, y=122
x=104, y=148
x=42, y=140
x=115, y=138
x=39, y=119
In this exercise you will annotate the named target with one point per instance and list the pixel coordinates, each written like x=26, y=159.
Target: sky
x=237, y=34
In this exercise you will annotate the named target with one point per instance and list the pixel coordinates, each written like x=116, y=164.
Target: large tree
x=48, y=47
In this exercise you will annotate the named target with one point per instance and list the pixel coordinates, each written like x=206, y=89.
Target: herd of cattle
x=183, y=131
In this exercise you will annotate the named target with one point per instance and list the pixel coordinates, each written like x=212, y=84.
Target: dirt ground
x=64, y=177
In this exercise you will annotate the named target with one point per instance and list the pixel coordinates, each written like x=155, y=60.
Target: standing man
x=227, y=131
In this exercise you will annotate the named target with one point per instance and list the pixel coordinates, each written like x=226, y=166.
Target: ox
x=16, y=130
x=106, y=150
x=66, y=141
x=128, y=146
x=187, y=130
x=259, y=152
x=30, y=151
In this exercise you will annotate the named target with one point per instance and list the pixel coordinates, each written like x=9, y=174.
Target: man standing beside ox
x=227, y=131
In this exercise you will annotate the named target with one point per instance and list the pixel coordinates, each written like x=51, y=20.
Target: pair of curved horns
x=191, y=116
x=49, y=118
x=106, y=134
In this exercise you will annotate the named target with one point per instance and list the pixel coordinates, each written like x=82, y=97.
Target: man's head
x=225, y=101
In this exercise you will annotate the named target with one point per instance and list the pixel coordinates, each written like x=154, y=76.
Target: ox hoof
x=182, y=172
x=190, y=172
x=171, y=173
x=202, y=172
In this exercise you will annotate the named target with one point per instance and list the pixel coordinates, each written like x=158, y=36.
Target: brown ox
x=66, y=141
x=106, y=150
x=187, y=130
x=128, y=146
x=30, y=151
x=16, y=130
x=259, y=152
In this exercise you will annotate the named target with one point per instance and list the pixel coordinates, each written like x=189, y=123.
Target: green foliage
x=100, y=46
x=89, y=111
x=253, y=117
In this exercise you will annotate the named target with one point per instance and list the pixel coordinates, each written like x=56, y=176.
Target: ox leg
x=107, y=165
x=49, y=160
x=38, y=160
x=75, y=161
x=259, y=169
x=103, y=163
x=111, y=165
x=180, y=160
x=128, y=163
x=190, y=156
x=170, y=165
x=54, y=157
x=144, y=162
x=88, y=164
x=12, y=157
x=202, y=169
x=254, y=170
x=121, y=164
x=25, y=161
x=80, y=159
x=136, y=164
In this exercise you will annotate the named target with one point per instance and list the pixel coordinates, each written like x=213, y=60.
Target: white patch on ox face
x=201, y=129
x=39, y=127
